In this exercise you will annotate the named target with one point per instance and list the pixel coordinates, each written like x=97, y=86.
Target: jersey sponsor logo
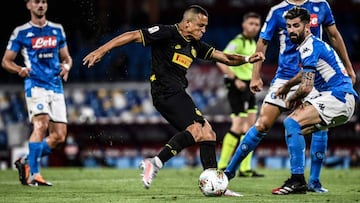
x=46, y=55
x=178, y=46
x=44, y=42
x=182, y=60
x=153, y=29
x=314, y=20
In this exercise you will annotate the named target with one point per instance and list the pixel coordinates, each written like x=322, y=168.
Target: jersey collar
x=287, y=1
x=35, y=25
x=177, y=28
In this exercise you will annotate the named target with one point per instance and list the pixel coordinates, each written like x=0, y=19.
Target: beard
x=297, y=39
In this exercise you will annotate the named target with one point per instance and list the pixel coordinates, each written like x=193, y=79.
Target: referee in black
x=173, y=49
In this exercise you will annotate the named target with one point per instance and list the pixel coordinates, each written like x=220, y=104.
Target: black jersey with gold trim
x=172, y=56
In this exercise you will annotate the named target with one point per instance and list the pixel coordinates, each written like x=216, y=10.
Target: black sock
x=298, y=177
x=208, y=154
x=180, y=141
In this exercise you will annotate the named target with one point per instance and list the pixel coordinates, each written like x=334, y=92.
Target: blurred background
x=111, y=118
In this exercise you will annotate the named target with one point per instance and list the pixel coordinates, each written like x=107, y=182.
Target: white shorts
x=272, y=99
x=332, y=111
x=44, y=101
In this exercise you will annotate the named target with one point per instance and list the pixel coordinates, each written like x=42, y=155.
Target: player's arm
x=256, y=84
x=338, y=44
x=283, y=90
x=305, y=87
x=8, y=63
x=66, y=62
x=236, y=59
x=123, y=39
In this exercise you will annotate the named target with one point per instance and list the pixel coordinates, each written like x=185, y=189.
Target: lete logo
x=44, y=42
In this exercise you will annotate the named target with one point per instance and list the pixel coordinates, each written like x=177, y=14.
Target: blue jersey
x=40, y=48
x=330, y=73
x=320, y=14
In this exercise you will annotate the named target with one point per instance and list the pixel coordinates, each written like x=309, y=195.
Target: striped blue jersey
x=330, y=73
x=320, y=14
x=40, y=48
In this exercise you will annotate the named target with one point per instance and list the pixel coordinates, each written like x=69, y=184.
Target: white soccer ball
x=213, y=182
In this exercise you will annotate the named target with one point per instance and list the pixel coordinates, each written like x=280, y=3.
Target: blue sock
x=296, y=146
x=318, y=151
x=46, y=150
x=34, y=156
x=251, y=140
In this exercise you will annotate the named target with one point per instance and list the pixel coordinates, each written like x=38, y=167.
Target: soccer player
x=174, y=48
x=47, y=62
x=242, y=100
x=332, y=105
x=288, y=67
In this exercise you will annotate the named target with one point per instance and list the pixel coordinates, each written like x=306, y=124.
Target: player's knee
x=41, y=126
x=58, y=138
x=262, y=126
x=195, y=130
x=202, y=132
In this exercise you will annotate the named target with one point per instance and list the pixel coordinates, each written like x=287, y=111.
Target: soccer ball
x=213, y=182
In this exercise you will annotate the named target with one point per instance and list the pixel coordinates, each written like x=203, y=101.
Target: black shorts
x=178, y=109
x=240, y=100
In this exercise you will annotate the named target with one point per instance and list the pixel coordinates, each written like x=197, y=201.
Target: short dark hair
x=251, y=15
x=197, y=9
x=296, y=12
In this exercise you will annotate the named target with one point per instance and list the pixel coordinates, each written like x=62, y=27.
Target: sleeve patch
x=153, y=29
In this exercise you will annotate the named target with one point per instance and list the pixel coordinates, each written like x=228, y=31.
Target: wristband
x=247, y=59
x=66, y=66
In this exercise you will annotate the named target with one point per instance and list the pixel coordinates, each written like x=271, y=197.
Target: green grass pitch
x=171, y=185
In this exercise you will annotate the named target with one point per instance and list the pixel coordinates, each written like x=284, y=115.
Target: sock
x=296, y=145
x=158, y=162
x=250, y=141
x=46, y=150
x=208, y=154
x=229, y=144
x=180, y=141
x=299, y=178
x=34, y=157
x=245, y=165
x=317, y=152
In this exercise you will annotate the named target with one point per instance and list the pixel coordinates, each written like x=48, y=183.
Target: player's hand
x=257, y=56
x=24, y=72
x=292, y=104
x=65, y=69
x=256, y=85
x=93, y=57
x=282, y=92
